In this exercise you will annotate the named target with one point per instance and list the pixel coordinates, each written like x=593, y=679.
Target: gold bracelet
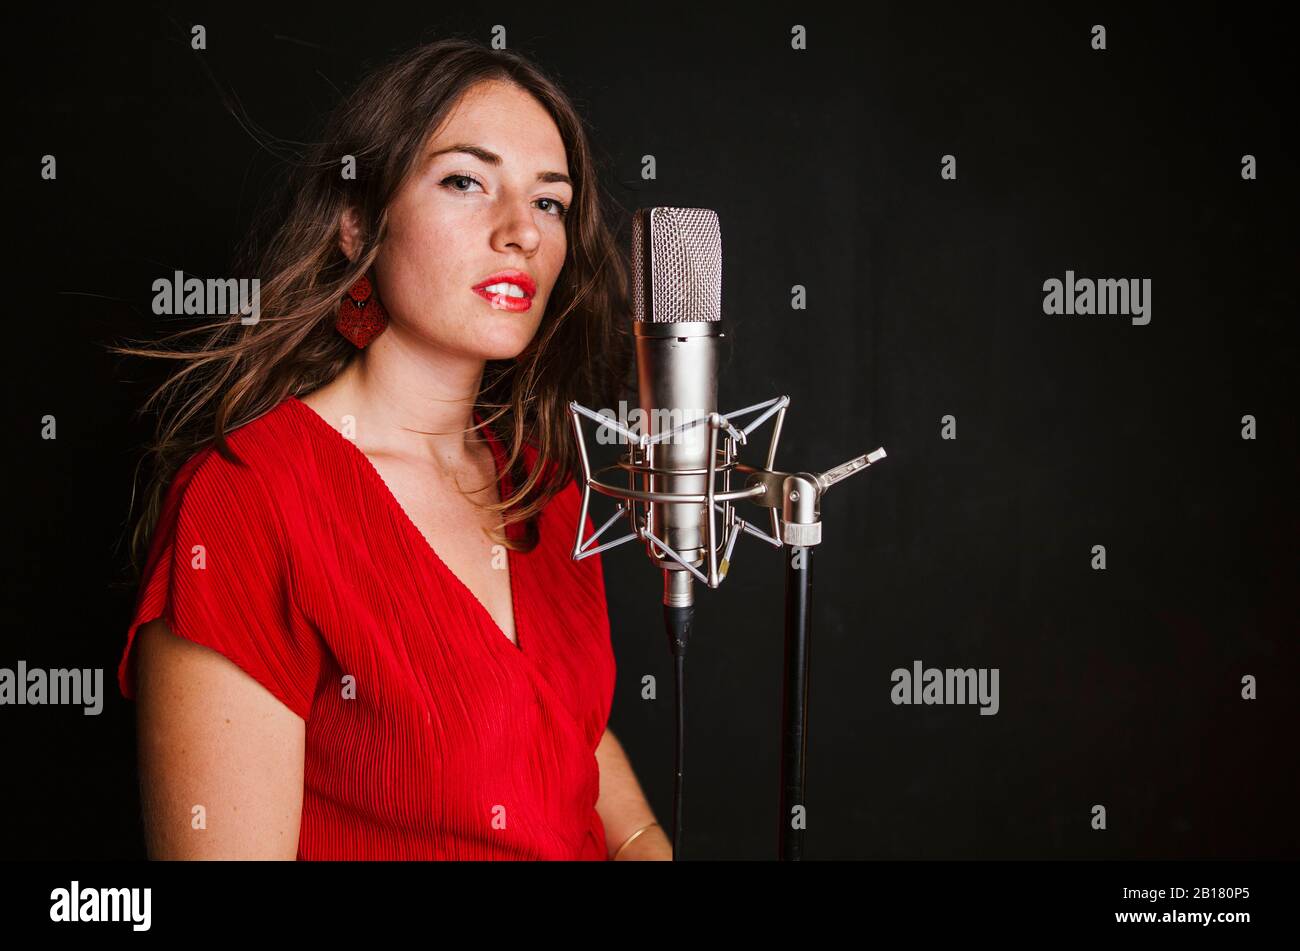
x=628, y=840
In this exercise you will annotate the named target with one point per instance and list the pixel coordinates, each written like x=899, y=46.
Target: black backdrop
x=1119, y=687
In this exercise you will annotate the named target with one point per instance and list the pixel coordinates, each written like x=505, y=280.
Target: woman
x=360, y=634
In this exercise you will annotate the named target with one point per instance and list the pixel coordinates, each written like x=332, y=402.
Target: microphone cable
x=678, y=621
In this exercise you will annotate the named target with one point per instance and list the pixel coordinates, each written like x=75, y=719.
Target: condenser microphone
x=677, y=311
x=669, y=499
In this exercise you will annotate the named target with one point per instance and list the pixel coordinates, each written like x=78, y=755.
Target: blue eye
x=460, y=177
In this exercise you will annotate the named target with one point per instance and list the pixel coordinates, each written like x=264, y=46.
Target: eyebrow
x=491, y=158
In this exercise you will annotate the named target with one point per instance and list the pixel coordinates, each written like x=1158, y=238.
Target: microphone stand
x=679, y=617
x=802, y=531
x=798, y=496
x=794, y=701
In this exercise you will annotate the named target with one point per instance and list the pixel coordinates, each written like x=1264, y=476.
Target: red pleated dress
x=429, y=734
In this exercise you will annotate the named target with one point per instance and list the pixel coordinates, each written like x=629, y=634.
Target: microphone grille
x=676, y=265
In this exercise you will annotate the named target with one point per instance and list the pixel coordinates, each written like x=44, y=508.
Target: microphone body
x=677, y=296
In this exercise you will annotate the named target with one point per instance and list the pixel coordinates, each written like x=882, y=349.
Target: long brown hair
x=240, y=371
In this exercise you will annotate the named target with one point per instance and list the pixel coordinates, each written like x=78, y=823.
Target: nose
x=515, y=229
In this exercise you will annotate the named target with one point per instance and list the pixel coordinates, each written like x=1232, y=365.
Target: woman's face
x=463, y=218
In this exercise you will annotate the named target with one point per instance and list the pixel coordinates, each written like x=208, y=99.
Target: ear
x=349, y=234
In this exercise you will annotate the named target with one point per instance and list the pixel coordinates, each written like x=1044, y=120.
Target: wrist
x=632, y=838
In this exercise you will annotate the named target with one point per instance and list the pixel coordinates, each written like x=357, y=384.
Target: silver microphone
x=677, y=312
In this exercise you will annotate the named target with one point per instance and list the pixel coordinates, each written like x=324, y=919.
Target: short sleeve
x=218, y=573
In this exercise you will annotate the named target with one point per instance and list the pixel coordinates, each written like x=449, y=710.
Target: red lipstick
x=504, y=301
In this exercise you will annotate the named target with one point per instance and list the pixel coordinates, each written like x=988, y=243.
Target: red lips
x=511, y=276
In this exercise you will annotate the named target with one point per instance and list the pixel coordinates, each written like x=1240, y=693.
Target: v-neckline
x=382, y=487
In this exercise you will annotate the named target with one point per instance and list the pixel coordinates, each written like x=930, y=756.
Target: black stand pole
x=794, y=700
x=677, y=622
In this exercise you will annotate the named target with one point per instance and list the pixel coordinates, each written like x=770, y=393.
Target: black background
x=1118, y=687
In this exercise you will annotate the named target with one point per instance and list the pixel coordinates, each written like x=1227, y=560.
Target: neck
x=418, y=406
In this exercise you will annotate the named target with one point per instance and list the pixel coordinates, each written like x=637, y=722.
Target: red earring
x=361, y=317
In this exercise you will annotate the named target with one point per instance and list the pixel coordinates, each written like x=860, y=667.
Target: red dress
x=445, y=740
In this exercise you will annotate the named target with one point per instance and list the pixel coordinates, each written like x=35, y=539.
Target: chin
x=501, y=336
x=508, y=354
x=500, y=346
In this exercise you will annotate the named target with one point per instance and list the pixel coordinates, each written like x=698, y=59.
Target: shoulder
x=271, y=444
x=221, y=570
x=260, y=461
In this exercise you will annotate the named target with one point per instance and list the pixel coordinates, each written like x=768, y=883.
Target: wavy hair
x=236, y=372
